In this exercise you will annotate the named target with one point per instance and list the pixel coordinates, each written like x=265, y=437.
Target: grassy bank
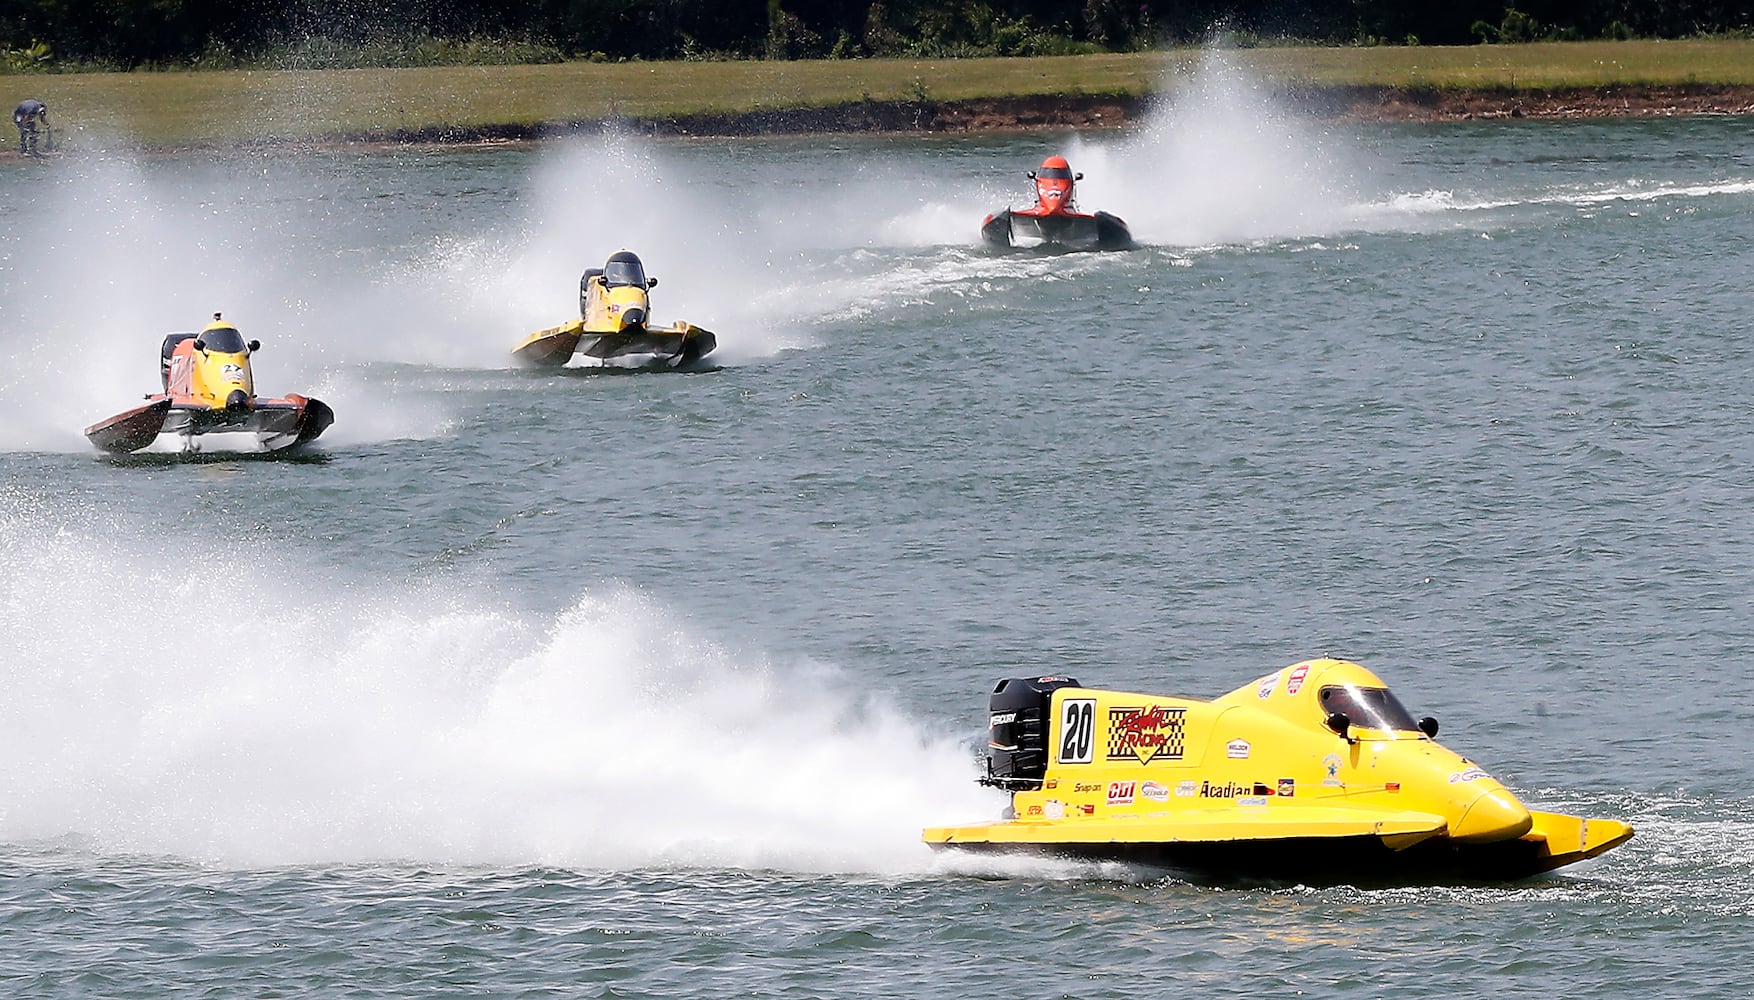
x=183, y=108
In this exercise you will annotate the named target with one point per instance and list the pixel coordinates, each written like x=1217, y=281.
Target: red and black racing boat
x=1054, y=220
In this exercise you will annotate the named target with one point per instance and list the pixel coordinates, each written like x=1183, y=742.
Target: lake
x=611, y=684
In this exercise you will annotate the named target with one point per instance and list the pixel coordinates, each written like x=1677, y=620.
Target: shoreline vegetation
x=465, y=104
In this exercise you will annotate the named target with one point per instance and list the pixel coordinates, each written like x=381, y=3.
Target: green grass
x=1534, y=66
x=181, y=108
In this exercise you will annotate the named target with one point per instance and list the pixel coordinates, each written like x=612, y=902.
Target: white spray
x=347, y=720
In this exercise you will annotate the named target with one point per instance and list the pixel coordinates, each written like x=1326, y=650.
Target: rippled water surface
x=610, y=684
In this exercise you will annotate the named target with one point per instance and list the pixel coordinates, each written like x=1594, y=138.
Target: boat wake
x=402, y=722
x=1582, y=196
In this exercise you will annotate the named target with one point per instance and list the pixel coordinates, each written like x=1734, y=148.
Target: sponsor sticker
x=1287, y=787
x=1145, y=733
x=1264, y=689
x=1471, y=774
x=1080, y=787
x=1053, y=809
x=1001, y=719
x=1154, y=791
x=1393, y=786
x=1237, y=749
x=1087, y=808
x=1187, y=789
x=1294, y=683
x=1228, y=790
x=1051, y=784
x=1331, y=770
x=1033, y=811
x=1120, y=793
x=1258, y=801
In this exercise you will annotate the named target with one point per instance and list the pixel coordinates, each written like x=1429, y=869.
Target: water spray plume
x=1219, y=162
x=400, y=722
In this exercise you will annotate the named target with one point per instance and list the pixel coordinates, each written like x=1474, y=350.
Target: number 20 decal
x=1077, y=717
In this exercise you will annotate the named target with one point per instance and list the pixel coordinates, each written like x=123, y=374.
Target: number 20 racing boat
x=209, y=403
x=1053, y=221
x=615, y=309
x=1313, y=774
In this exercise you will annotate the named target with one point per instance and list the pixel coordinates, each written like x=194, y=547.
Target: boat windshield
x=224, y=340
x=1054, y=173
x=1369, y=708
x=624, y=271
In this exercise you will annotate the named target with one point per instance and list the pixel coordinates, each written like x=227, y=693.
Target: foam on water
x=148, y=711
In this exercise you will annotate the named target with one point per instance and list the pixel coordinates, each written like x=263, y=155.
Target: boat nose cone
x=633, y=318
x=237, y=400
x=1494, y=815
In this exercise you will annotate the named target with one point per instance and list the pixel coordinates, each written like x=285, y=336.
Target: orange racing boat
x=209, y=403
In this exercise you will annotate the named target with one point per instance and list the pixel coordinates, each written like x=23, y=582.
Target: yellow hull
x=679, y=343
x=1314, y=773
x=1321, y=849
x=551, y=347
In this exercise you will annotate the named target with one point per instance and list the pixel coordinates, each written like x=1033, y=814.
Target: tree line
x=132, y=33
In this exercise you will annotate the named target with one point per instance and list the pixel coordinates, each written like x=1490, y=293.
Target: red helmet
x=1053, y=184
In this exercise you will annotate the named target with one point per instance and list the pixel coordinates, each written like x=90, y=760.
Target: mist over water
x=352, y=718
x=763, y=243
x=338, y=264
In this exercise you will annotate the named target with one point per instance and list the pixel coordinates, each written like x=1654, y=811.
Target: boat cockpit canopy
x=624, y=269
x=1370, y=708
x=224, y=340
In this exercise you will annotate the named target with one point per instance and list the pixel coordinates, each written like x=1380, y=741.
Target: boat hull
x=167, y=425
x=130, y=430
x=676, y=345
x=552, y=347
x=1556, y=840
x=1070, y=230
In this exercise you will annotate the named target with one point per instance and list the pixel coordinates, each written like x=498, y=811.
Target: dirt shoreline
x=1005, y=114
x=1078, y=112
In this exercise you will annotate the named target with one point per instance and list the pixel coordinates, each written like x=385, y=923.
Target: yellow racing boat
x=615, y=321
x=1312, y=774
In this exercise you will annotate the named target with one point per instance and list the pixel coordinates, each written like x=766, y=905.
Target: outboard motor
x=585, y=288
x=164, y=356
x=1017, y=731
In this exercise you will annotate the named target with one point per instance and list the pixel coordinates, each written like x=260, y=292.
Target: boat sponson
x=1102, y=230
x=683, y=341
x=271, y=424
x=1318, y=850
x=131, y=430
x=552, y=347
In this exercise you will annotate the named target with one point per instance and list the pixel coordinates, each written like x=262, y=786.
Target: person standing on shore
x=30, y=116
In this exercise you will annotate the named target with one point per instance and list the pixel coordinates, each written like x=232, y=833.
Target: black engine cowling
x=1019, y=717
x=171, y=340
